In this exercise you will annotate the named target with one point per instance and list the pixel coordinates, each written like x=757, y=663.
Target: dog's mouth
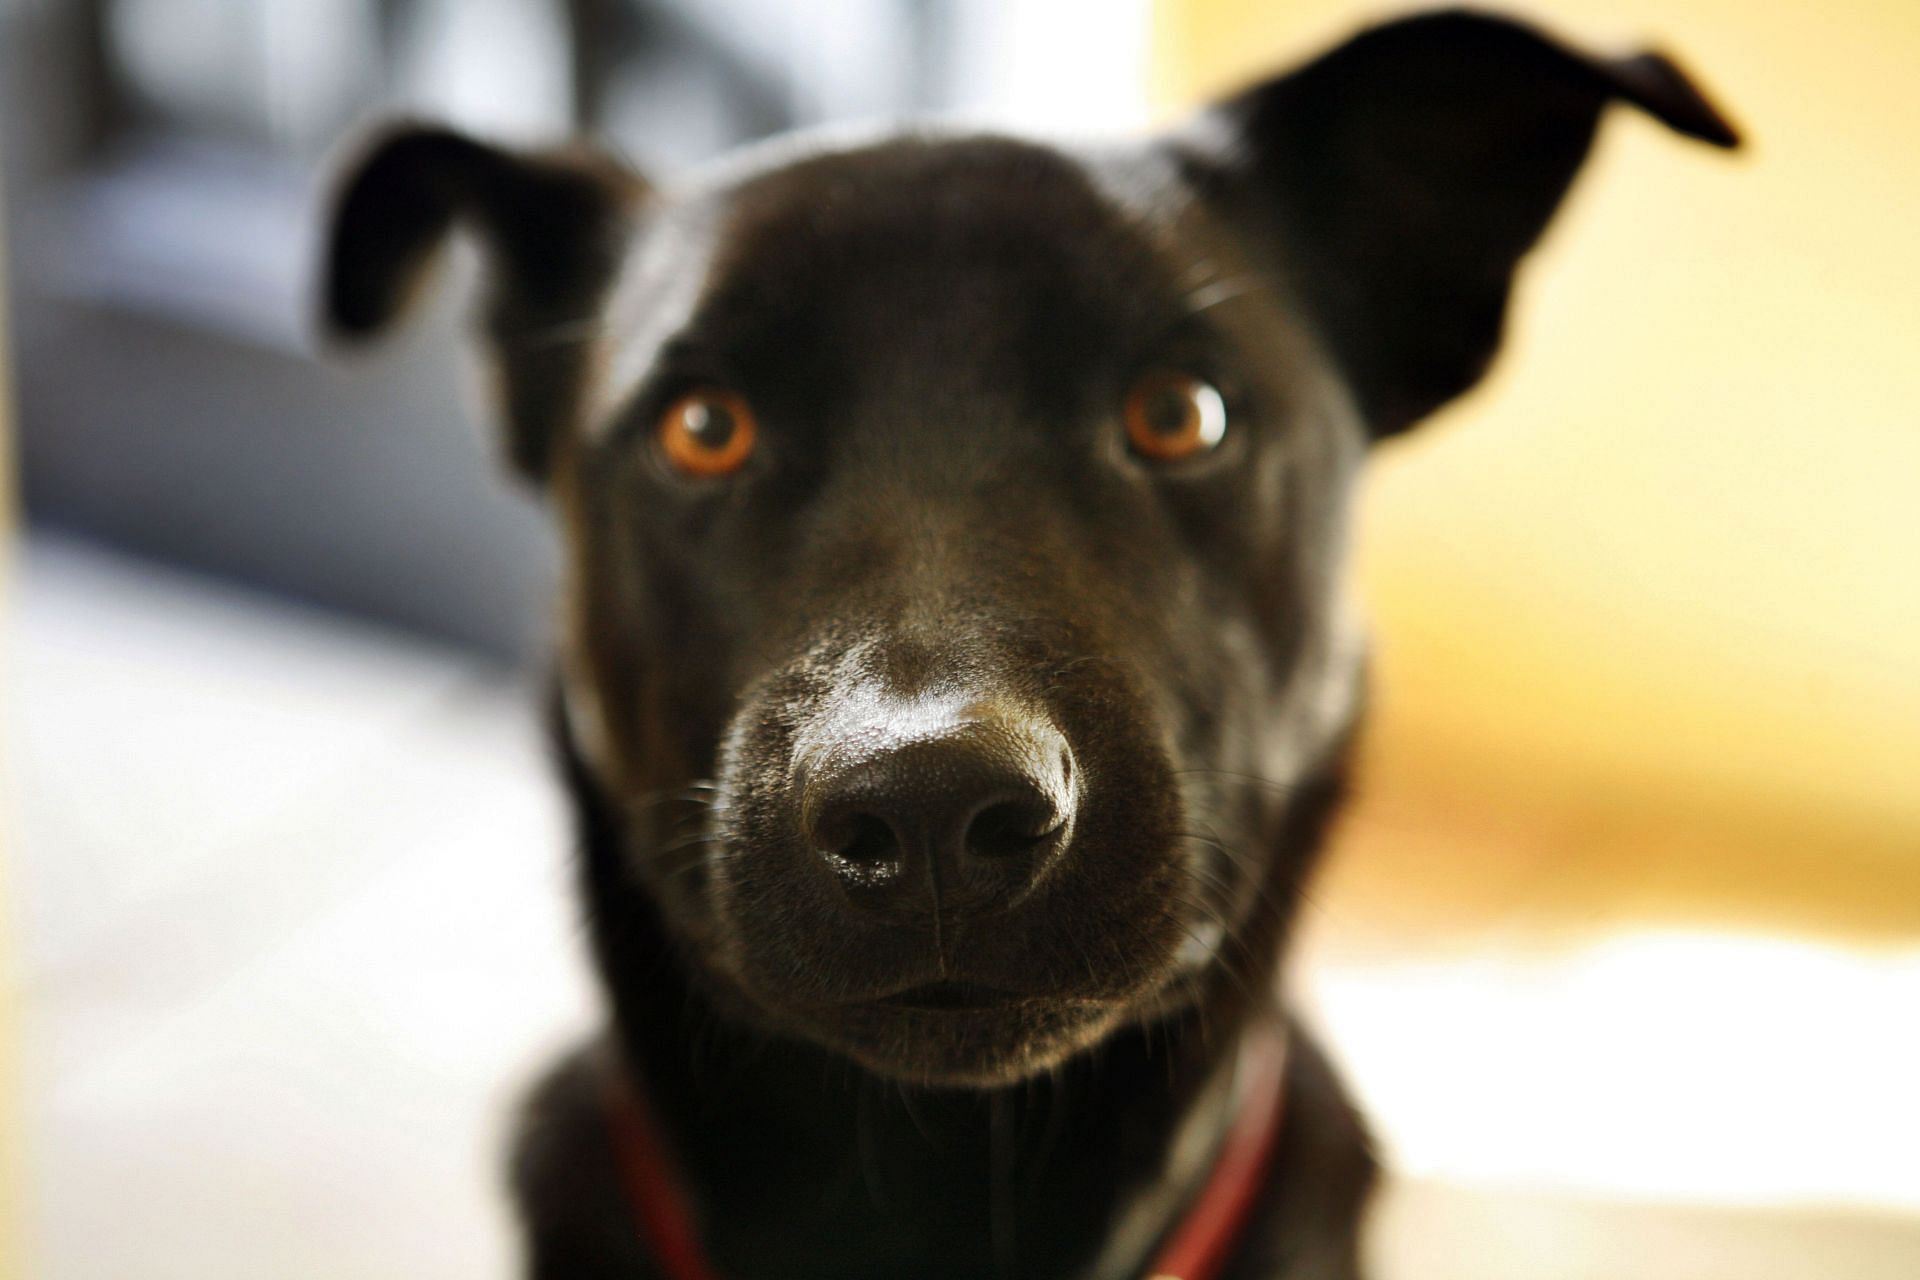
x=961, y=1002
x=959, y=1033
x=956, y=997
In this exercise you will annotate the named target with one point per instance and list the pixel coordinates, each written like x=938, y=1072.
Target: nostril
x=864, y=838
x=1011, y=828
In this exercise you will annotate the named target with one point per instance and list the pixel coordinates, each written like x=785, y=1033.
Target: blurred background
x=1620, y=946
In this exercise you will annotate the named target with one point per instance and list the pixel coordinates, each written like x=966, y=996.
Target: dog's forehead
x=932, y=196
x=902, y=241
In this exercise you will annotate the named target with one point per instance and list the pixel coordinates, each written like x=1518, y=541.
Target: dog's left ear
x=552, y=227
x=1403, y=175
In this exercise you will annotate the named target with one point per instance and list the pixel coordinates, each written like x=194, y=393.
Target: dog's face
x=975, y=534
x=955, y=523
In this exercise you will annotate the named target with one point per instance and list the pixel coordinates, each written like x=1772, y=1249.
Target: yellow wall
x=1648, y=602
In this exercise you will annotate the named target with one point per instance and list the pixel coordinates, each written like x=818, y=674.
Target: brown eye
x=1171, y=416
x=707, y=432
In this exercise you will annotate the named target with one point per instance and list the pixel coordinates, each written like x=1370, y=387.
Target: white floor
x=292, y=914
x=293, y=918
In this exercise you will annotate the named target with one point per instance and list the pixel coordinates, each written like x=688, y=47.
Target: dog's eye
x=708, y=432
x=1172, y=415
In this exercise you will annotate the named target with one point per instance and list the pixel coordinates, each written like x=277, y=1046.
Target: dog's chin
x=963, y=1035
x=951, y=1036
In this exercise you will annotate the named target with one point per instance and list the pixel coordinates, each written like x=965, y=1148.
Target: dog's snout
x=961, y=819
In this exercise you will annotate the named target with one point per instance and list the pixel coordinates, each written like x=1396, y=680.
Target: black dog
x=957, y=678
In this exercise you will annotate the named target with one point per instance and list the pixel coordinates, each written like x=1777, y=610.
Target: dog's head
x=962, y=518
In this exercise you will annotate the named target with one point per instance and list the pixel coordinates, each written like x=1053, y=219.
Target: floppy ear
x=551, y=227
x=1404, y=175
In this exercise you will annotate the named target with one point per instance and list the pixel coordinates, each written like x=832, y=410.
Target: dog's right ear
x=552, y=227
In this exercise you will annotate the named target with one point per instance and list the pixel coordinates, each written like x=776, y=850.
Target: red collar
x=1196, y=1250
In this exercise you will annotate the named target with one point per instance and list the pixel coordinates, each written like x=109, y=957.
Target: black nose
x=958, y=819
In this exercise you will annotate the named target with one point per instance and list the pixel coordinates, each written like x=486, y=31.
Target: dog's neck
x=816, y=1166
